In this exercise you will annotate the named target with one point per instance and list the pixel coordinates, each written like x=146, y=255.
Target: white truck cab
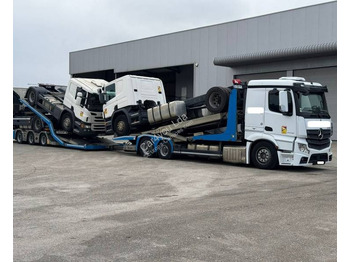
x=82, y=98
x=292, y=115
x=126, y=99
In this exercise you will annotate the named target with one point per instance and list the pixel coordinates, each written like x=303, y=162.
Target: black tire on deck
x=31, y=97
x=37, y=124
x=216, y=99
x=121, y=125
x=67, y=123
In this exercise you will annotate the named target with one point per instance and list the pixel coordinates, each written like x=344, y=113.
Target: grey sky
x=45, y=31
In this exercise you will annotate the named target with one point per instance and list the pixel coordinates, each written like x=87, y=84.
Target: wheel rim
x=120, y=126
x=215, y=100
x=67, y=123
x=164, y=150
x=263, y=155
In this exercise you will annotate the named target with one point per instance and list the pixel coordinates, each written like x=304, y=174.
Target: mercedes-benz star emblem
x=320, y=134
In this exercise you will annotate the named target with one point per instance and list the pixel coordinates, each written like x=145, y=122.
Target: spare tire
x=216, y=99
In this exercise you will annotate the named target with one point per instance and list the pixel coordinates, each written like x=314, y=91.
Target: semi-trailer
x=265, y=123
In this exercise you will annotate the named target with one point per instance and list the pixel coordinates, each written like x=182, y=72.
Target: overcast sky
x=45, y=31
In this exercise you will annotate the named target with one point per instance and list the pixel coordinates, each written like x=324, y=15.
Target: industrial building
x=299, y=42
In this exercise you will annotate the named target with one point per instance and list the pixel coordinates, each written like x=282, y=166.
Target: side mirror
x=283, y=101
x=79, y=98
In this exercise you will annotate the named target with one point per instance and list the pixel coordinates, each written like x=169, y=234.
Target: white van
x=127, y=99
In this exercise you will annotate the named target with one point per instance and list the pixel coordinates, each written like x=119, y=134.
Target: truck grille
x=318, y=139
x=100, y=125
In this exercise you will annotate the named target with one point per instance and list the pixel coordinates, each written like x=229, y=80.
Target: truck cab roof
x=283, y=81
x=90, y=85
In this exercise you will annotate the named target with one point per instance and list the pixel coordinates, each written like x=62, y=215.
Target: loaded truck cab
x=75, y=109
x=287, y=122
x=126, y=100
x=82, y=97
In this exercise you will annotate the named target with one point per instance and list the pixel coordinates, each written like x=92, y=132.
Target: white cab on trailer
x=82, y=95
x=129, y=90
x=126, y=100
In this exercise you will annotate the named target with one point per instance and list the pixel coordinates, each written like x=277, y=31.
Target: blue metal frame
x=55, y=137
x=230, y=133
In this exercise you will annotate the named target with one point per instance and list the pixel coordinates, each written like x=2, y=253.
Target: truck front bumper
x=302, y=158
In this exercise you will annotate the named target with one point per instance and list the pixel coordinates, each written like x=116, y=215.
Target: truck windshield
x=311, y=105
x=93, y=103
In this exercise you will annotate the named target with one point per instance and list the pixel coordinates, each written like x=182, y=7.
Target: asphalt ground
x=71, y=205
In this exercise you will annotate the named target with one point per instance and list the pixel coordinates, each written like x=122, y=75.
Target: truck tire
x=31, y=138
x=146, y=147
x=67, y=123
x=216, y=99
x=121, y=125
x=31, y=97
x=164, y=150
x=19, y=137
x=37, y=124
x=264, y=155
x=43, y=139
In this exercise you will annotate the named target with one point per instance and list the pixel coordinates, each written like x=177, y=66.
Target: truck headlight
x=303, y=148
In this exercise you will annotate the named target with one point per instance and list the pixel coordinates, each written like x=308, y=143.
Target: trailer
x=34, y=126
x=267, y=123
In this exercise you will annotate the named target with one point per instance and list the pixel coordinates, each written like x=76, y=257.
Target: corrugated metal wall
x=299, y=27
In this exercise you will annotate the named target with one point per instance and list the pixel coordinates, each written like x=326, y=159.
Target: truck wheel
x=31, y=97
x=216, y=99
x=164, y=150
x=121, y=125
x=264, y=155
x=37, y=124
x=30, y=138
x=67, y=122
x=146, y=147
x=19, y=137
x=43, y=139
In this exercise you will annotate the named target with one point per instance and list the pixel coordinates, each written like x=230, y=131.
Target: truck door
x=255, y=104
x=282, y=126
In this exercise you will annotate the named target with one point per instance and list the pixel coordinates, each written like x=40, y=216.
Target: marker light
x=237, y=81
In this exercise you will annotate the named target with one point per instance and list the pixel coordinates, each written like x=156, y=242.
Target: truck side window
x=110, y=92
x=274, y=101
